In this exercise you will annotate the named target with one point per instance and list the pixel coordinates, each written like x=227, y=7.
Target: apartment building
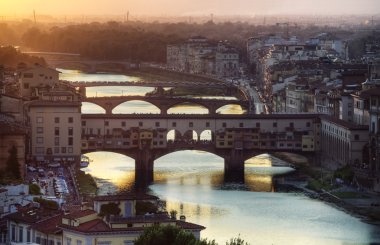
x=55, y=122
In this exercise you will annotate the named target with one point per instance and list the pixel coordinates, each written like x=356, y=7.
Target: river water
x=191, y=182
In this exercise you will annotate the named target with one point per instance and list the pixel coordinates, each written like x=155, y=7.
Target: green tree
x=13, y=166
x=169, y=235
x=236, y=241
x=34, y=189
x=49, y=204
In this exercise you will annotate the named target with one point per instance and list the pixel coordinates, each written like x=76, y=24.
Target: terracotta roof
x=129, y=196
x=79, y=214
x=189, y=226
x=96, y=225
x=50, y=225
x=32, y=215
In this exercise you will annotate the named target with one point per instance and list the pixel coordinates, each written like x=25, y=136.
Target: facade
x=12, y=133
x=264, y=132
x=55, y=127
x=32, y=80
x=374, y=141
x=343, y=142
x=199, y=56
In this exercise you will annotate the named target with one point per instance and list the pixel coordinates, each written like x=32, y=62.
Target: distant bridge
x=145, y=83
x=164, y=103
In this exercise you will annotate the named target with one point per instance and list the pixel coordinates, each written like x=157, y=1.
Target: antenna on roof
x=34, y=15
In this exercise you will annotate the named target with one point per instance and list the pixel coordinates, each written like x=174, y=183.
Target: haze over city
x=185, y=7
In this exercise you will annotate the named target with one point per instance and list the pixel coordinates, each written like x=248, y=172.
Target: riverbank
x=318, y=183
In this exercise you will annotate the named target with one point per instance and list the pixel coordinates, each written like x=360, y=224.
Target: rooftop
x=79, y=214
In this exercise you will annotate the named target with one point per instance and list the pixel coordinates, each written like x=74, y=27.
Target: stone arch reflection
x=112, y=171
x=189, y=167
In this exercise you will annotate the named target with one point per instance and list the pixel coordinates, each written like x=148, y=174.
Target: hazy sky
x=189, y=7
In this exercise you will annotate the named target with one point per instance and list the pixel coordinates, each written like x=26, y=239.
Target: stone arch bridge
x=164, y=103
x=235, y=138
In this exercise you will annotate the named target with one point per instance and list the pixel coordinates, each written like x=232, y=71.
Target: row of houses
x=89, y=223
x=199, y=56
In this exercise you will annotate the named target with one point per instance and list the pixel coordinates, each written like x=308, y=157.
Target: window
x=79, y=242
x=28, y=235
x=51, y=242
x=241, y=125
x=70, y=131
x=56, y=119
x=40, y=130
x=257, y=125
x=104, y=243
x=40, y=119
x=26, y=85
x=70, y=120
x=191, y=124
x=83, y=123
x=21, y=234
x=56, y=149
x=275, y=125
x=224, y=125
x=157, y=124
x=56, y=131
x=68, y=241
x=308, y=124
x=291, y=125
x=207, y=124
x=40, y=140
x=174, y=124
x=123, y=124
x=63, y=149
x=106, y=123
x=356, y=137
x=140, y=124
x=70, y=141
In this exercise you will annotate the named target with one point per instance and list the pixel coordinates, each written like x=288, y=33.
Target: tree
x=13, y=166
x=169, y=235
x=34, y=189
x=236, y=241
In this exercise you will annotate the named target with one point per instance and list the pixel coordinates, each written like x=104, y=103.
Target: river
x=191, y=182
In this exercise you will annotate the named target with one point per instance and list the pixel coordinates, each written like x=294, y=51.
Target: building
x=199, y=56
x=12, y=134
x=374, y=139
x=343, y=142
x=55, y=122
x=33, y=80
x=89, y=226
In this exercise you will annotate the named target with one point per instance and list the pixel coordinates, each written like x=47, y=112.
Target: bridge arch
x=193, y=108
x=92, y=108
x=136, y=107
x=207, y=135
x=232, y=108
x=173, y=135
x=190, y=136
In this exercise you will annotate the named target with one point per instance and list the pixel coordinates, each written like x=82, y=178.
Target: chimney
x=182, y=218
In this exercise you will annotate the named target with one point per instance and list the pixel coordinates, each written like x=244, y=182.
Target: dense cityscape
x=189, y=129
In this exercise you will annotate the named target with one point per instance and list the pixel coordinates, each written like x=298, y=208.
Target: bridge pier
x=143, y=168
x=234, y=166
